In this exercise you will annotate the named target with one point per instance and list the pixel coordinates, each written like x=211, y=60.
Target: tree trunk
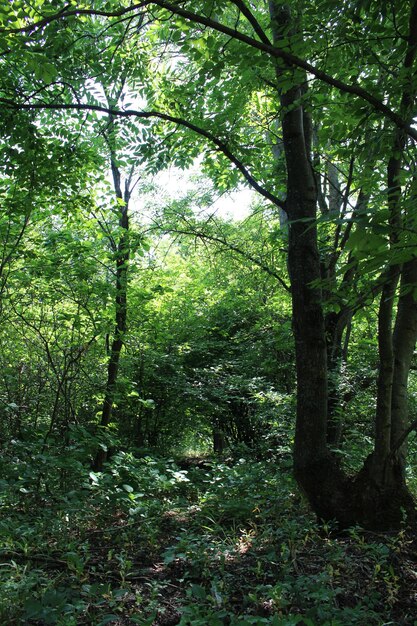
x=395, y=354
x=385, y=374
x=219, y=443
x=122, y=262
x=336, y=328
x=405, y=331
x=404, y=340
x=332, y=495
x=338, y=324
x=380, y=489
x=304, y=267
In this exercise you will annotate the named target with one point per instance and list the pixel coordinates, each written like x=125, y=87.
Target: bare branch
x=233, y=248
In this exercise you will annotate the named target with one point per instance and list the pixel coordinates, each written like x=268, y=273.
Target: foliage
x=90, y=91
x=197, y=541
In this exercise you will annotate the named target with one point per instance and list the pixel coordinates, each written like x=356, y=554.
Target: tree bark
x=395, y=354
x=336, y=326
x=404, y=341
x=122, y=263
x=304, y=268
x=385, y=374
x=331, y=493
x=405, y=331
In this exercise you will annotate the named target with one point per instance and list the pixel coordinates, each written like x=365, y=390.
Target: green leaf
x=107, y=619
x=93, y=477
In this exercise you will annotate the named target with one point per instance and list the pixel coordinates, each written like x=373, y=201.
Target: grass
x=195, y=542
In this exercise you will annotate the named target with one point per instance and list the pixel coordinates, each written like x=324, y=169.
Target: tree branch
x=230, y=246
x=401, y=440
x=291, y=59
x=252, y=20
x=64, y=14
x=220, y=145
x=269, y=49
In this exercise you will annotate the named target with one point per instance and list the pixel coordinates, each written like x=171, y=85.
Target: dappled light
x=208, y=313
x=229, y=538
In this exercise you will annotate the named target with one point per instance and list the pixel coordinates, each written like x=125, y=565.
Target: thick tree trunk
x=374, y=499
x=310, y=451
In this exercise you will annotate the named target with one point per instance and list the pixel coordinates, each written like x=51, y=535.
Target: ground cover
x=189, y=541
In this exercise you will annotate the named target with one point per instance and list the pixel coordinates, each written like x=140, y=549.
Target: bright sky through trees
x=233, y=205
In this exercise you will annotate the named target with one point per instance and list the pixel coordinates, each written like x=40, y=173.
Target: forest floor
x=196, y=542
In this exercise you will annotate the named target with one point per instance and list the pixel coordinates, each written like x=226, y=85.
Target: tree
x=209, y=336
x=121, y=251
x=221, y=40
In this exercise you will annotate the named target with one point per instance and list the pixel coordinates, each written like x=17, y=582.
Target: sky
x=175, y=183
x=235, y=205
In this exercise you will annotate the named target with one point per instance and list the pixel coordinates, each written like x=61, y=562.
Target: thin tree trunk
x=385, y=374
x=395, y=354
x=404, y=340
x=335, y=326
x=122, y=263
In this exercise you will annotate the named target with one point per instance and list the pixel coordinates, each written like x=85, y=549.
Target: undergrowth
x=198, y=542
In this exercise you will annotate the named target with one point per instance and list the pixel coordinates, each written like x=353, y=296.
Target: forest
x=208, y=312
